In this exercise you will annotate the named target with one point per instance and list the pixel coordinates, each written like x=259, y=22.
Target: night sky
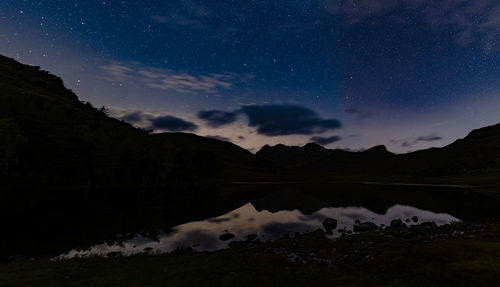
x=409, y=74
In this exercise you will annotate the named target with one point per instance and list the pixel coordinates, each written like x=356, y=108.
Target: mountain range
x=477, y=153
x=50, y=135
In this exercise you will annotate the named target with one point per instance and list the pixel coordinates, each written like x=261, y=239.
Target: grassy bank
x=456, y=255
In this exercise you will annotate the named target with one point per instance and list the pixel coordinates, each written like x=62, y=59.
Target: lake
x=268, y=218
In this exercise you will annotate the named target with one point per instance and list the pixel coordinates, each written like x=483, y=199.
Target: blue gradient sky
x=409, y=74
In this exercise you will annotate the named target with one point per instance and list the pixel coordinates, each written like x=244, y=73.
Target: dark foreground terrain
x=454, y=255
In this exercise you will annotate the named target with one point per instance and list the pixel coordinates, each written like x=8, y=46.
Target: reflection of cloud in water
x=218, y=220
x=202, y=239
x=314, y=216
x=277, y=230
x=204, y=235
x=354, y=215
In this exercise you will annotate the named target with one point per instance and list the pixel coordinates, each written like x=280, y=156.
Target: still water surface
x=248, y=223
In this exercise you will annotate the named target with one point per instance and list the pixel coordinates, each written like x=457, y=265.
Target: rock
x=365, y=226
x=226, y=236
x=425, y=225
x=147, y=249
x=414, y=218
x=397, y=223
x=238, y=243
x=407, y=220
x=251, y=237
x=317, y=232
x=349, y=232
x=329, y=224
x=113, y=254
x=341, y=230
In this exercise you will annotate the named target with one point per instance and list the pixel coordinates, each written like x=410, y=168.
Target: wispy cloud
x=414, y=141
x=360, y=114
x=477, y=20
x=358, y=10
x=471, y=20
x=230, y=17
x=325, y=140
x=221, y=138
x=188, y=13
x=133, y=73
x=179, y=20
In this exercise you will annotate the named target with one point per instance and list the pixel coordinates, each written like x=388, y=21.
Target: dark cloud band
x=274, y=120
x=325, y=140
x=216, y=118
x=171, y=123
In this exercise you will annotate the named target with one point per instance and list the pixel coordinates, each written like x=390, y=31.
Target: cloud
x=474, y=21
x=360, y=114
x=216, y=118
x=429, y=138
x=133, y=73
x=357, y=10
x=274, y=120
x=153, y=120
x=135, y=117
x=205, y=16
x=471, y=20
x=185, y=13
x=407, y=144
x=325, y=140
x=279, y=120
x=180, y=20
x=221, y=138
x=412, y=142
x=172, y=123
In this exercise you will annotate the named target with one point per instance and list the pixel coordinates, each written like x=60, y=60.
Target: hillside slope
x=478, y=152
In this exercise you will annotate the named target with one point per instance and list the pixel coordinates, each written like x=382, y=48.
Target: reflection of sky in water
x=246, y=220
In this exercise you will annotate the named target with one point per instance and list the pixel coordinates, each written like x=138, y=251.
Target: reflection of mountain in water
x=246, y=221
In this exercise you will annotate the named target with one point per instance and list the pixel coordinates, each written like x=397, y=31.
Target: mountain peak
x=488, y=131
x=379, y=149
x=315, y=146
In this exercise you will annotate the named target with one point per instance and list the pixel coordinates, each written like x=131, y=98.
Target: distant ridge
x=478, y=152
x=295, y=156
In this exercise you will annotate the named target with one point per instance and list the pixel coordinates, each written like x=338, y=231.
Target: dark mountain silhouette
x=478, y=152
x=293, y=156
x=315, y=157
x=50, y=137
x=213, y=158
